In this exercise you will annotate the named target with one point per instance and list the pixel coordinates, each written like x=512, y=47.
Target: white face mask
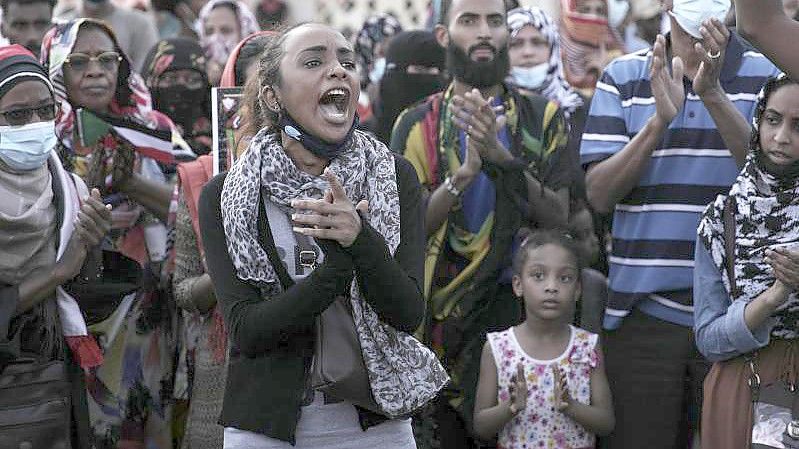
x=530, y=77
x=378, y=70
x=27, y=147
x=617, y=12
x=691, y=13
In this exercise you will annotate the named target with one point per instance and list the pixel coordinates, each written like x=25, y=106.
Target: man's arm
x=764, y=23
x=610, y=180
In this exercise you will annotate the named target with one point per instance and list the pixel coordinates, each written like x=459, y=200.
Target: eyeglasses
x=80, y=61
x=19, y=117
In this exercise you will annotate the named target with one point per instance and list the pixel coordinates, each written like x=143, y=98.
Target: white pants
x=329, y=426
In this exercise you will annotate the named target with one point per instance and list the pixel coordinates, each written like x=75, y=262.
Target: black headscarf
x=400, y=89
x=188, y=108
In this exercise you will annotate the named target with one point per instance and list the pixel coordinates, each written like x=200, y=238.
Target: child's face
x=582, y=225
x=549, y=283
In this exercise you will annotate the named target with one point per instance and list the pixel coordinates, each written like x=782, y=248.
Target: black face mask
x=399, y=90
x=311, y=143
x=479, y=74
x=183, y=105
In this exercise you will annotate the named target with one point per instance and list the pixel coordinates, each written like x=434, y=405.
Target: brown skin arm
x=597, y=417
x=490, y=415
x=609, y=181
x=93, y=222
x=764, y=23
x=154, y=196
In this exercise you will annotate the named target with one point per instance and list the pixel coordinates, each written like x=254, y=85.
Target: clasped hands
x=333, y=217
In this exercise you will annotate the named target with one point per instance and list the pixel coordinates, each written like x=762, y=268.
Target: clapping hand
x=518, y=391
x=562, y=397
x=667, y=89
x=333, y=217
x=785, y=264
x=711, y=53
x=91, y=225
x=478, y=119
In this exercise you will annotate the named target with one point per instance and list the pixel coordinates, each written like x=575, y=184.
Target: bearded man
x=495, y=165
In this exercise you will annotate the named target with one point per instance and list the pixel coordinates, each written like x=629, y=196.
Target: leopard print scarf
x=403, y=373
x=365, y=169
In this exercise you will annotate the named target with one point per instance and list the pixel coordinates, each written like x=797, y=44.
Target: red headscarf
x=229, y=74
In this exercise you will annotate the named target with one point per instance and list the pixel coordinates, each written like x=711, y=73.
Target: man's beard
x=479, y=74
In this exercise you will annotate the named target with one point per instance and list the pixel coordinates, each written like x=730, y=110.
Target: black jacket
x=272, y=340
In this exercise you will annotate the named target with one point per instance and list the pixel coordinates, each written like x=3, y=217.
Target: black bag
x=113, y=277
x=775, y=406
x=35, y=401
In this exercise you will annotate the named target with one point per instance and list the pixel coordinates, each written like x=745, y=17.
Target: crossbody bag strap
x=728, y=223
x=271, y=251
x=306, y=253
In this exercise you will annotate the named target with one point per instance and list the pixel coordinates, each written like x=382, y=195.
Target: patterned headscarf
x=581, y=36
x=555, y=87
x=132, y=98
x=375, y=30
x=766, y=211
x=173, y=54
x=244, y=14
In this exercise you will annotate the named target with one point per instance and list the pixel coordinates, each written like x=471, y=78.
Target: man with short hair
x=26, y=21
x=493, y=162
x=667, y=132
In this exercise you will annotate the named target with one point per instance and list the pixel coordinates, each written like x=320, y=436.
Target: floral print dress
x=540, y=425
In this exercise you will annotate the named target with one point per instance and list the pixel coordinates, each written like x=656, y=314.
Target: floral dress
x=540, y=425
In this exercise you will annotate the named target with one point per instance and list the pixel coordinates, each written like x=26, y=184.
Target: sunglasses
x=80, y=61
x=19, y=117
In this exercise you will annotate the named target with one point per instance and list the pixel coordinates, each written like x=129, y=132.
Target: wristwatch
x=451, y=187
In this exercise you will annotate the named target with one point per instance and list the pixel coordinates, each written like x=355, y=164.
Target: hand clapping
x=711, y=53
x=333, y=218
x=562, y=397
x=667, y=89
x=475, y=116
x=518, y=391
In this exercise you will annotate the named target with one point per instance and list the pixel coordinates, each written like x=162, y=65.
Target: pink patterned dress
x=540, y=425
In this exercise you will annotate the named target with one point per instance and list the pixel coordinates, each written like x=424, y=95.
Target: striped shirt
x=654, y=226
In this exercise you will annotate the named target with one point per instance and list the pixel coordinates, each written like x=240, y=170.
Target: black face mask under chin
x=311, y=143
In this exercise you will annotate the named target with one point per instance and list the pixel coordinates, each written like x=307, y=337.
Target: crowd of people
x=570, y=231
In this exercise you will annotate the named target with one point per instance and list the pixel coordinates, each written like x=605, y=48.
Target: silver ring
x=717, y=55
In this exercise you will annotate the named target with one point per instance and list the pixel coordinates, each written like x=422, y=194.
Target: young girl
x=541, y=382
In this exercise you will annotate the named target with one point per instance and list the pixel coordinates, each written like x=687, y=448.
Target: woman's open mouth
x=335, y=105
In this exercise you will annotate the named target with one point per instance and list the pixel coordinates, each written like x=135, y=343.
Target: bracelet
x=451, y=187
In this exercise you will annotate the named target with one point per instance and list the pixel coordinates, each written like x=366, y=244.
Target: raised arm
x=764, y=23
x=609, y=181
x=733, y=127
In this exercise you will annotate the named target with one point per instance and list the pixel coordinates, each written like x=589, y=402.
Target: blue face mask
x=530, y=77
x=27, y=147
x=378, y=70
